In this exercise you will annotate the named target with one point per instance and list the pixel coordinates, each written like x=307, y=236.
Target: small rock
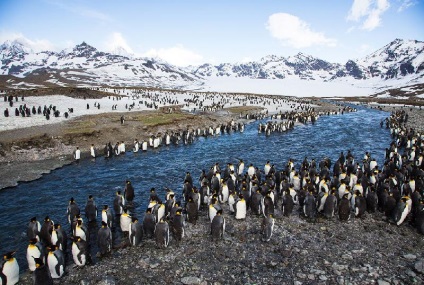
x=382, y=282
x=311, y=277
x=411, y=273
x=107, y=280
x=340, y=280
x=409, y=256
x=419, y=266
x=323, y=277
x=190, y=280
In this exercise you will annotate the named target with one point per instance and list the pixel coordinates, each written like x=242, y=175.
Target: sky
x=195, y=32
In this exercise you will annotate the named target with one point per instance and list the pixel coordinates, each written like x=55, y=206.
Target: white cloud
x=368, y=12
x=177, y=55
x=115, y=41
x=292, y=31
x=36, y=45
x=406, y=4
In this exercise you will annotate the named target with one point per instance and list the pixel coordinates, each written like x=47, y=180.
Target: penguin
x=169, y=204
x=360, y=204
x=107, y=216
x=81, y=230
x=322, y=197
x=59, y=237
x=344, y=208
x=79, y=251
x=309, y=207
x=162, y=234
x=9, y=269
x=390, y=205
x=42, y=274
x=45, y=230
x=178, y=230
x=401, y=211
x=256, y=202
x=241, y=208
x=192, y=211
x=104, y=239
x=159, y=210
x=231, y=203
x=149, y=223
x=372, y=200
x=330, y=205
x=35, y=250
x=129, y=192
x=224, y=192
x=56, y=262
x=125, y=221
x=213, y=208
x=136, y=232
x=72, y=210
x=267, y=227
x=267, y=205
x=287, y=203
x=33, y=230
x=218, y=226
x=91, y=210
x=118, y=203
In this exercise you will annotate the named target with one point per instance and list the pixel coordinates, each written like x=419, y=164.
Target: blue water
x=166, y=167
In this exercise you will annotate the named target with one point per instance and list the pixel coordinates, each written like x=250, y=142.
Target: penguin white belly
x=80, y=233
x=32, y=252
x=52, y=262
x=125, y=223
x=212, y=212
x=11, y=271
x=161, y=213
x=54, y=238
x=144, y=146
x=241, y=210
x=75, y=252
x=225, y=194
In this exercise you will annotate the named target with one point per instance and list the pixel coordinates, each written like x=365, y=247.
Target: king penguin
x=136, y=232
x=59, y=237
x=56, y=262
x=104, y=239
x=149, y=223
x=107, y=216
x=267, y=227
x=162, y=234
x=218, y=226
x=79, y=251
x=35, y=250
x=241, y=208
x=91, y=210
x=178, y=230
x=41, y=274
x=344, y=208
x=330, y=205
x=34, y=228
x=192, y=211
x=9, y=274
x=287, y=204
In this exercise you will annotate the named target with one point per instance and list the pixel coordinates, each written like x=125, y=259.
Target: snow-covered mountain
x=85, y=65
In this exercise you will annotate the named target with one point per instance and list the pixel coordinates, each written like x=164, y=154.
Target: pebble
x=409, y=256
x=419, y=266
x=382, y=282
x=190, y=280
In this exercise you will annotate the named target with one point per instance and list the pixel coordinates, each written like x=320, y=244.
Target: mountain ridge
x=84, y=64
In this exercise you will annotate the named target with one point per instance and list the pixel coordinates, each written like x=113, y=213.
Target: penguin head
x=71, y=201
x=33, y=219
x=178, y=212
x=134, y=220
x=47, y=219
x=38, y=262
x=104, y=225
x=105, y=207
x=9, y=255
x=33, y=241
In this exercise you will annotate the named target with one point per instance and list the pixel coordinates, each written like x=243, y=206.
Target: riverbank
x=28, y=153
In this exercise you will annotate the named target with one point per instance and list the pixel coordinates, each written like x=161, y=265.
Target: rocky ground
x=367, y=251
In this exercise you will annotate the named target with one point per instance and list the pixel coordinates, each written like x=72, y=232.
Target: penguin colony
x=355, y=187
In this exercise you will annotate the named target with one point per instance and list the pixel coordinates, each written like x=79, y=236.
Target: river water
x=166, y=167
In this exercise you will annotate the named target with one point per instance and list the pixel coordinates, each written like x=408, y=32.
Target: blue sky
x=195, y=32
